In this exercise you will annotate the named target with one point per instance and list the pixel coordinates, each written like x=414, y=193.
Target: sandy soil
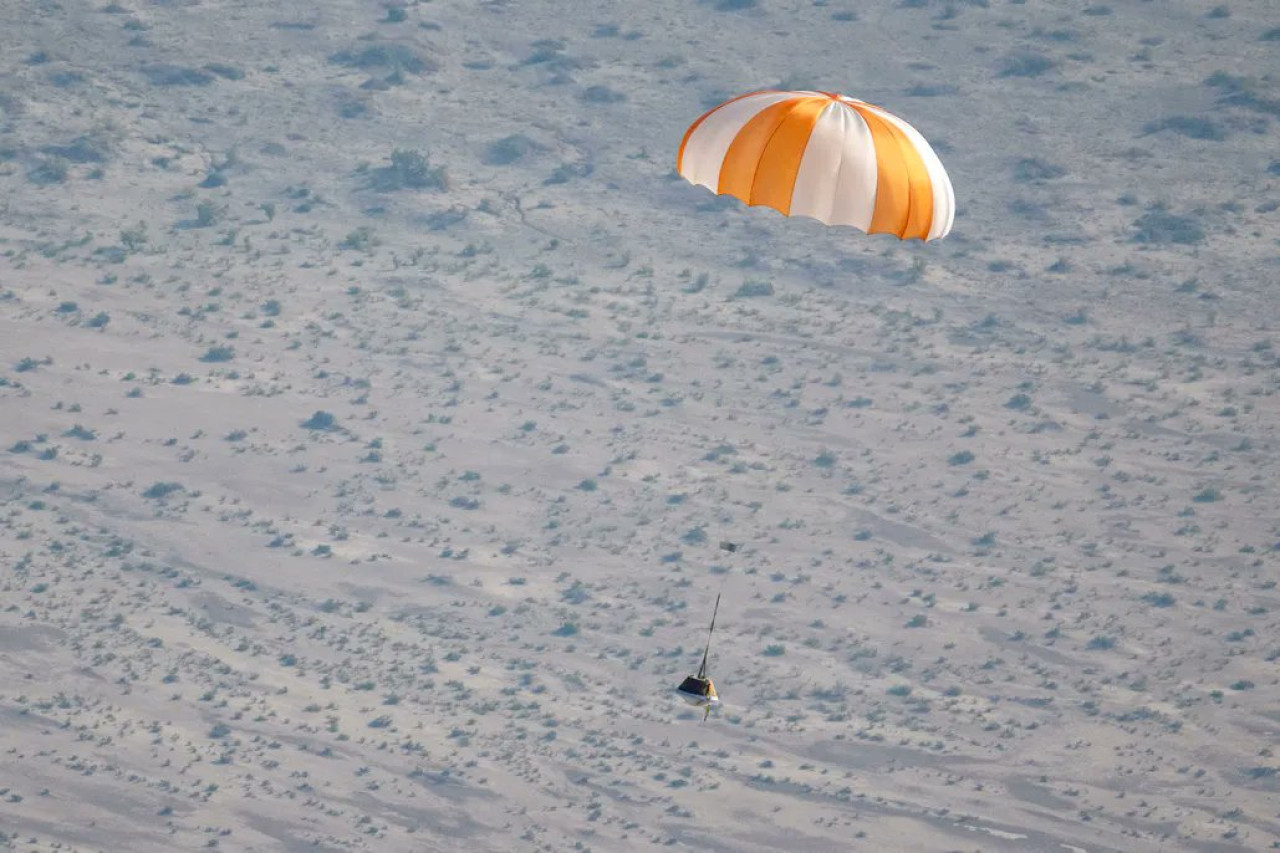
x=338, y=514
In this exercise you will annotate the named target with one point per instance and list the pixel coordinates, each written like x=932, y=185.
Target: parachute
x=823, y=155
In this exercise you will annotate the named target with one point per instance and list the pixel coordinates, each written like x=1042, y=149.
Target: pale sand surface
x=1007, y=501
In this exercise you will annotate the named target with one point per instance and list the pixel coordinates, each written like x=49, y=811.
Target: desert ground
x=374, y=396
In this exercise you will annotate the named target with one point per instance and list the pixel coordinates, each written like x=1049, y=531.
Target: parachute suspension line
x=732, y=548
x=702, y=670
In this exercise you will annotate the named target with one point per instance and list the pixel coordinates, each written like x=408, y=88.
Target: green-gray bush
x=1024, y=64
x=1158, y=226
x=508, y=149
x=409, y=170
x=163, y=74
x=1192, y=127
x=393, y=57
x=321, y=421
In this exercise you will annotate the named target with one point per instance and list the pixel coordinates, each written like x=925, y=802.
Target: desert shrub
x=1192, y=127
x=1272, y=34
x=1036, y=211
x=964, y=457
x=566, y=172
x=207, y=214
x=227, y=72
x=392, y=57
x=694, y=536
x=159, y=490
x=88, y=148
x=1032, y=169
x=775, y=650
x=64, y=79
x=133, y=238
x=439, y=220
x=602, y=95
x=28, y=363
x=1237, y=91
x=51, y=170
x=508, y=149
x=550, y=53
x=1158, y=226
x=753, y=288
x=1018, y=402
x=409, y=170
x=932, y=90
x=217, y=354
x=1024, y=64
x=730, y=5
x=321, y=421
x=163, y=74
x=1059, y=36
x=575, y=594
x=362, y=239
x=352, y=107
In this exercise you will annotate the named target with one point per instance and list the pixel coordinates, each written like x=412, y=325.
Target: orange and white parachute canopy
x=837, y=159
